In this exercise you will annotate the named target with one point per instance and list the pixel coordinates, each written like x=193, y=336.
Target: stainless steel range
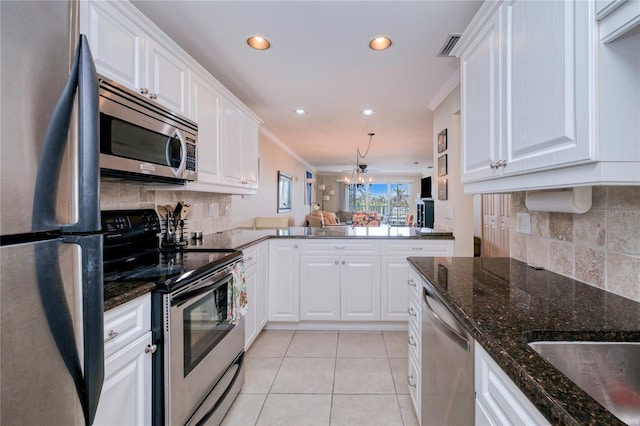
x=198, y=370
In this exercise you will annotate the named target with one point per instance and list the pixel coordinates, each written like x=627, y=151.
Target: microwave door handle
x=183, y=152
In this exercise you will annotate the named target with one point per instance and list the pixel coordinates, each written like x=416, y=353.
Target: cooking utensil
x=177, y=210
x=162, y=211
x=184, y=211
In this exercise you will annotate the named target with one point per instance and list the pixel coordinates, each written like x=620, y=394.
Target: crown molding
x=445, y=90
x=285, y=148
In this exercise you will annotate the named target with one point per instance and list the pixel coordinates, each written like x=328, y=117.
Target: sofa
x=341, y=218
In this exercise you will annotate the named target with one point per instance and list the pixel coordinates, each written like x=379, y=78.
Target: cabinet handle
x=337, y=262
x=413, y=385
x=344, y=262
x=152, y=96
x=411, y=311
x=144, y=91
x=411, y=282
x=151, y=349
x=417, y=248
x=295, y=246
x=340, y=247
x=111, y=335
x=412, y=341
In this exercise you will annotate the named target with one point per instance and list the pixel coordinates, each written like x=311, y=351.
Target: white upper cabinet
x=118, y=45
x=167, y=78
x=205, y=110
x=129, y=49
x=537, y=95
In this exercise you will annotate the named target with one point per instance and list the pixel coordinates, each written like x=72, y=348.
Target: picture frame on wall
x=442, y=189
x=309, y=180
x=442, y=165
x=442, y=141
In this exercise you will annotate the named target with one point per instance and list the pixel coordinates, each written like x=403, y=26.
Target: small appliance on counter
x=198, y=370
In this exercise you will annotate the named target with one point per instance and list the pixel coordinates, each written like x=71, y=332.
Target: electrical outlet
x=523, y=223
x=227, y=209
x=212, y=210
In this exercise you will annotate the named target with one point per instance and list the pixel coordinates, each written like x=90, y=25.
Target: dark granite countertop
x=243, y=237
x=239, y=238
x=505, y=304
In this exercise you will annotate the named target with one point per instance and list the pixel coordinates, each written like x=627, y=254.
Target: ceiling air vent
x=449, y=44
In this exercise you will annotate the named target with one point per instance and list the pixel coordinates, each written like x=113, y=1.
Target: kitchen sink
x=608, y=371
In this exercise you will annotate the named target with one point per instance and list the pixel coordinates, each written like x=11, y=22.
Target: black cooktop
x=131, y=253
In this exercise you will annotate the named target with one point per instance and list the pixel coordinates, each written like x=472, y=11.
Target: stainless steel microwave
x=142, y=140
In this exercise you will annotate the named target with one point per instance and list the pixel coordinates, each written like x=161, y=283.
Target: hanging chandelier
x=358, y=175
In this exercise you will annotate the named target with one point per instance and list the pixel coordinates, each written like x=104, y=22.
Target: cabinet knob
x=412, y=341
x=494, y=165
x=150, y=349
x=152, y=96
x=344, y=262
x=411, y=311
x=111, y=335
x=144, y=91
x=502, y=163
x=336, y=262
x=411, y=282
x=295, y=246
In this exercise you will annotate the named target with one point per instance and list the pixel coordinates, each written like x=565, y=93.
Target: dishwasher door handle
x=449, y=331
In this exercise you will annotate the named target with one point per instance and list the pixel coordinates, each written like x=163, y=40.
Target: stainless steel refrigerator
x=51, y=297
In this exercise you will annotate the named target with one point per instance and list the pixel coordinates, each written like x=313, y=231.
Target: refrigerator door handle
x=82, y=76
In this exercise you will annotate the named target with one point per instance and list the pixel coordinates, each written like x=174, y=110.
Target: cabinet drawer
x=418, y=248
x=414, y=341
x=414, y=383
x=249, y=255
x=340, y=247
x=125, y=323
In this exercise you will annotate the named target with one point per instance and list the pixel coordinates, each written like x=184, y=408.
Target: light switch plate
x=449, y=212
x=523, y=223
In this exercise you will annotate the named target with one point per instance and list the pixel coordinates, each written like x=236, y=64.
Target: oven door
x=201, y=343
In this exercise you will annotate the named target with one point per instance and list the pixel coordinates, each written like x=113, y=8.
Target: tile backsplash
x=600, y=247
x=208, y=212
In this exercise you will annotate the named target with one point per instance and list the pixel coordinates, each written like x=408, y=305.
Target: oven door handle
x=197, y=289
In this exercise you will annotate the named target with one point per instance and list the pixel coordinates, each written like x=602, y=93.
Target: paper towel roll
x=576, y=200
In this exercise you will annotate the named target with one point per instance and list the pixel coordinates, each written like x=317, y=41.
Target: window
x=391, y=200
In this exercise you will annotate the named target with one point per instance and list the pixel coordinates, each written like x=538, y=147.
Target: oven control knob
x=150, y=349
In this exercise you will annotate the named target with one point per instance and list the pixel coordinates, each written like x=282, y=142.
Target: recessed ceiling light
x=258, y=43
x=380, y=43
x=368, y=112
x=300, y=111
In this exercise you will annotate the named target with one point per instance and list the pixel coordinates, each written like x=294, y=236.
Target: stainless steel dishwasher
x=447, y=365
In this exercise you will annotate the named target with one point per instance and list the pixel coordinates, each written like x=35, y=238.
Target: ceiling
x=320, y=61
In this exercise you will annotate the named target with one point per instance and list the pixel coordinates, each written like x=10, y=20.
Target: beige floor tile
x=363, y=376
x=358, y=345
x=295, y=410
x=270, y=344
x=305, y=375
x=245, y=410
x=259, y=374
x=400, y=370
x=311, y=344
x=365, y=410
x=408, y=412
x=396, y=344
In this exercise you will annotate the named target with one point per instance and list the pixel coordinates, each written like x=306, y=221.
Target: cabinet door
x=395, y=291
x=319, y=288
x=360, y=287
x=251, y=318
x=231, y=144
x=167, y=78
x=480, y=101
x=546, y=80
x=262, y=310
x=126, y=392
x=284, y=280
x=117, y=44
x=205, y=105
x=250, y=166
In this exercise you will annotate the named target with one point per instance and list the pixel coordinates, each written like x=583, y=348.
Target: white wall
x=456, y=213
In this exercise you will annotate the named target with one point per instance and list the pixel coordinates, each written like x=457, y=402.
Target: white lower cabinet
x=284, y=280
x=413, y=283
x=256, y=279
x=360, y=288
x=395, y=272
x=320, y=288
x=498, y=399
x=126, y=392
